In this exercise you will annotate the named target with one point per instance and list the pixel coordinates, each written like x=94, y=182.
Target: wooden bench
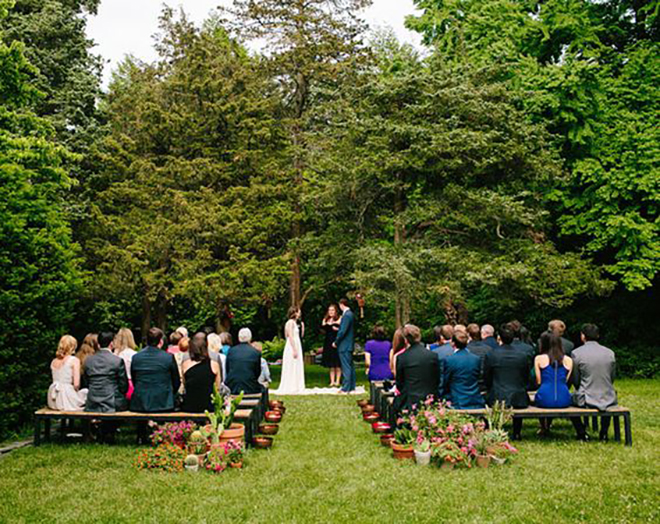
x=245, y=416
x=384, y=402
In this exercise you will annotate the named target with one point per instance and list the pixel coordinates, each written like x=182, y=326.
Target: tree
x=313, y=46
x=39, y=276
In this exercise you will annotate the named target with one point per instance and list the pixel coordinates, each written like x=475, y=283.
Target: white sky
x=126, y=26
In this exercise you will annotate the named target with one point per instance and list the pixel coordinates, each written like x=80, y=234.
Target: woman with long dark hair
x=553, y=371
x=330, y=357
x=398, y=347
x=200, y=375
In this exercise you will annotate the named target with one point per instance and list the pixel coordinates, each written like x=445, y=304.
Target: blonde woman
x=214, y=342
x=64, y=394
x=123, y=345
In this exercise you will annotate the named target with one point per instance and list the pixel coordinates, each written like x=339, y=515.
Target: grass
x=327, y=466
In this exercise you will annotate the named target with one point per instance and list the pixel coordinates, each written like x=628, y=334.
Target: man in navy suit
x=344, y=343
x=462, y=372
x=417, y=371
x=442, y=351
x=155, y=377
x=244, y=366
x=488, y=336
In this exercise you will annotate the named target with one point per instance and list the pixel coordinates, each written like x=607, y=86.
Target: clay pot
x=236, y=465
x=261, y=442
x=362, y=402
x=368, y=408
x=381, y=427
x=386, y=440
x=447, y=465
x=275, y=404
x=401, y=451
x=371, y=418
x=269, y=429
x=483, y=461
x=273, y=416
x=235, y=432
x=279, y=409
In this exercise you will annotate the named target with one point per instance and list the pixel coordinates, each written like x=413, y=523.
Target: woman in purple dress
x=377, y=356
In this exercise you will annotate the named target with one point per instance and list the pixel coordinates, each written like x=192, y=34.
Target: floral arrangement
x=453, y=437
x=234, y=452
x=224, y=409
x=176, y=433
x=216, y=460
x=165, y=457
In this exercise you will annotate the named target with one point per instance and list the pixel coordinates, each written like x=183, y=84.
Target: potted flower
x=222, y=427
x=176, y=433
x=198, y=444
x=423, y=452
x=402, y=445
x=481, y=446
x=191, y=463
x=449, y=454
x=215, y=460
x=234, y=453
x=166, y=457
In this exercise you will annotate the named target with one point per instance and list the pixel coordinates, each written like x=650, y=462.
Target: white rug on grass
x=321, y=391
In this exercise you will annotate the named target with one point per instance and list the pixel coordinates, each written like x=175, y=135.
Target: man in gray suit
x=105, y=376
x=594, y=369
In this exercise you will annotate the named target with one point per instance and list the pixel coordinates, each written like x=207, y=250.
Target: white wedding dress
x=293, y=369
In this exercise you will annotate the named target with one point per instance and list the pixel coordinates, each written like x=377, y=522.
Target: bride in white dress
x=293, y=366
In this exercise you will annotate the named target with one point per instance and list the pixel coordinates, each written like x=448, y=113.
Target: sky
x=126, y=26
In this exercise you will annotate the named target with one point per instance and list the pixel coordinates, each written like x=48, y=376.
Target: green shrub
x=273, y=349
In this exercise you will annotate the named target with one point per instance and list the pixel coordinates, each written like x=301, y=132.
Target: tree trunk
x=161, y=311
x=402, y=306
x=146, y=315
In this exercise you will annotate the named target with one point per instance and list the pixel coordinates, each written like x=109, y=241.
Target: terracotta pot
x=386, y=440
x=279, y=409
x=273, y=416
x=236, y=465
x=447, y=465
x=483, y=461
x=362, y=402
x=234, y=432
x=269, y=429
x=381, y=427
x=262, y=442
x=371, y=418
x=368, y=408
x=275, y=404
x=402, y=451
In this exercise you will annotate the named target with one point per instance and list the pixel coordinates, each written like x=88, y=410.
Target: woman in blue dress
x=553, y=371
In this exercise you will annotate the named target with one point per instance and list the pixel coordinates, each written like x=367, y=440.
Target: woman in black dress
x=330, y=356
x=200, y=373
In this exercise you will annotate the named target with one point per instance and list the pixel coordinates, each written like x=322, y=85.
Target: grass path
x=327, y=467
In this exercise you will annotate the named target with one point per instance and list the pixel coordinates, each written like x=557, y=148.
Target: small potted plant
x=449, y=454
x=234, y=452
x=215, y=460
x=221, y=427
x=191, y=463
x=481, y=447
x=423, y=452
x=197, y=444
x=402, y=445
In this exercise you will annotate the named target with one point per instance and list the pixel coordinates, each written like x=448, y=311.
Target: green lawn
x=327, y=466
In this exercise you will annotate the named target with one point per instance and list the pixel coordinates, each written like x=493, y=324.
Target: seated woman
x=398, y=347
x=64, y=394
x=123, y=345
x=89, y=346
x=377, y=356
x=200, y=373
x=553, y=370
x=227, y=342
x=214, y=345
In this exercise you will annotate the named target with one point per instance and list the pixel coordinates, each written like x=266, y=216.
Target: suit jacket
x=481, y=349
x=461, y=380
x=566, y=345
x=525, y=347
x=491, y=341
x=443, y=351
x=106, y=380
x=156, y=379
x=243, y=369
x=345, y=339
x=594, y=369
x=506, y=374
x=417, y=376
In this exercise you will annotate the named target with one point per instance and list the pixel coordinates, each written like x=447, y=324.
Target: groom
x=344, y=343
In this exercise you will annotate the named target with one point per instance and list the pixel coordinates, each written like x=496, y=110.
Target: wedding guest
x=183, y=331
x=437, y=337
x=444, y=347
x=377, y=356
x=123, y=346
x=417, y=371
x=462, y=372
x=89, y=346
x=64, y=394
x=105, y=375
x=594, y=369
x=345, y=343
x=476, y=346
x=552, y=371
x=227, y=342
x=520, y=334
x=200, y=374
x=215, y=351
x=398, y=347
x=488, y=335
x=175, y=338
x=559, y=328
x=330, y=356
x=506, y=374
x=243, y=366
x=264, y=377
x=155, y=376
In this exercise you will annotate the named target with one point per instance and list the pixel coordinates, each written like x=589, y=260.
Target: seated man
x=243, y=366
x=155, y=377
x=417, y=371
x=559, y=328
x=594, y=369
x=107, y=383
x=506, y=374
x=488, y=336
x=461, y=376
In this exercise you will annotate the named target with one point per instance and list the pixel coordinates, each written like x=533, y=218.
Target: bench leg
x=37, y=431
x=594, y=423
x=47, y=430
x=627, y=429
x=617, y=429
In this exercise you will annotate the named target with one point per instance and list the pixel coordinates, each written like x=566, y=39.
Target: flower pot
x=362, y=402
x=268, y=429
x=386, y=440
x=423, y=458
x=368, y=408
x=279, y=409
x=192, y=468
x=381, y=427
x=497, y=460
x=236, y=465
x=234, y=432
x=483, y=461
x=273, y=416
x=447, y=465
x=402, y=451
x=261, y=442
x=371, y=418
x=275, y=404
